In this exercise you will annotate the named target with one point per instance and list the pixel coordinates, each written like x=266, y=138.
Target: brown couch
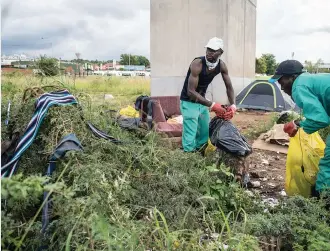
x=164, y=107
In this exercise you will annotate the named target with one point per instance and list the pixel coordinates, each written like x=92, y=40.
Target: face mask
x=210, y=65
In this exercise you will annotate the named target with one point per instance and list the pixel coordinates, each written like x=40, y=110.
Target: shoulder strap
x=219, y=66
x=150, y=113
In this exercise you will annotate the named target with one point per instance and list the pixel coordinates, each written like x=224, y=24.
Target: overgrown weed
x=138, y=195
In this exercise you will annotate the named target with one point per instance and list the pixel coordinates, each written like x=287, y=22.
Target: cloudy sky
x=101, y=29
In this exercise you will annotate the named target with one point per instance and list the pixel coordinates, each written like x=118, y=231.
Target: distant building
x=112, y=66
x=6, y=63
x=15, y=57
x=16, y=61
x=325, y=66
x=23, y=64
x=102, y=67
x=134, y=67
x=71, y=68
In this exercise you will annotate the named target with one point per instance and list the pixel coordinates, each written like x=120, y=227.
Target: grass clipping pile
x=137, y=195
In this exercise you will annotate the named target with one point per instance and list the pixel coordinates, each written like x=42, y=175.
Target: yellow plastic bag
x=302, y=164
x=210, y=148
x=129, y=111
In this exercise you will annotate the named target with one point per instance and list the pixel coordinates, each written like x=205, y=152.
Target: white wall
x=179, y=31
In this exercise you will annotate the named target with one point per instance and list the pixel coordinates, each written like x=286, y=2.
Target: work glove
x=230, y=112
x=218, y=110
x=291, y=128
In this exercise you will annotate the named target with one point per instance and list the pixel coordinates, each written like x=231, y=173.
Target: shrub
x=48, y=66
x=138, y=195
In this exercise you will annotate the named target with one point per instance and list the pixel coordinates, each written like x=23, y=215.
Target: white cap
x=215, y=44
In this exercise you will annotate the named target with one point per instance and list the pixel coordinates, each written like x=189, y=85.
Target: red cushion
x=169, y=104
x=172, y=130
x=157, y=112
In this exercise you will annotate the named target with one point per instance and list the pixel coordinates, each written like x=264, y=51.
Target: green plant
x=138, y=195
x=294, y=222
x=48, y=66
x=324, y=133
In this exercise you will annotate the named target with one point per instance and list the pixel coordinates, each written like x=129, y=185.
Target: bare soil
x=251, y=120
x=266, y=167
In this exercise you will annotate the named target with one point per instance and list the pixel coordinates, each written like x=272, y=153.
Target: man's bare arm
x=195, y=69
x=226, y=79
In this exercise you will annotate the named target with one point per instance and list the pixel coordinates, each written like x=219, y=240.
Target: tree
x=309, y=66
x=126, y=59
x=313, y=68
x=270, y=63
x=261, y=66
x=142, y=60
x=318, y=63
x=48, y=66
x=79, y=61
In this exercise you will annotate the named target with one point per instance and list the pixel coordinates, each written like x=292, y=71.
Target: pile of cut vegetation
x=137, y=195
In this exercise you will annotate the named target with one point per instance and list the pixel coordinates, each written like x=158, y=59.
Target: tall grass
x=124, y=90
x=114, y=85
x=91, y=84
x=135, y=196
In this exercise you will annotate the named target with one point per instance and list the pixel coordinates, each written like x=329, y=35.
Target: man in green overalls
x=311, y=92
x=194, y=106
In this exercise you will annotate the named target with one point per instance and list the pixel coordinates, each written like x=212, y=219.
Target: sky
x=104, y=29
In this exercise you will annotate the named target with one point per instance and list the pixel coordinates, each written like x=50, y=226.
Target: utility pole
x=78, y=57
x=59, y=65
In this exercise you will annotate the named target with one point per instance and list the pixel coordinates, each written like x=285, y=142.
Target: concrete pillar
x=179, y=30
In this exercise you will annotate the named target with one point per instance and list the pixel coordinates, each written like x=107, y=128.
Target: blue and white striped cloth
x=100, y=134
x=43, y=103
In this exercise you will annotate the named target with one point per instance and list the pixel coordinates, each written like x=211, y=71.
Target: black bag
x=138, y=102
x=129, y=123
x=225, y=136
x=147, y=103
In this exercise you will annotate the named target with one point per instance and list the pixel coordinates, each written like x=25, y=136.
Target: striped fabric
x=43, y=103
x=68, y=143
x=100, y=134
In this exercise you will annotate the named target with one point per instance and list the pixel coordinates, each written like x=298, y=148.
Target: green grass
x=113, y=85
x=263, y=77
x=135, y=196
x=90, y=84
x=124, y=90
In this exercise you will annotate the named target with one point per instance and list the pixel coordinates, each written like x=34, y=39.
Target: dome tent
x=262, y=95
